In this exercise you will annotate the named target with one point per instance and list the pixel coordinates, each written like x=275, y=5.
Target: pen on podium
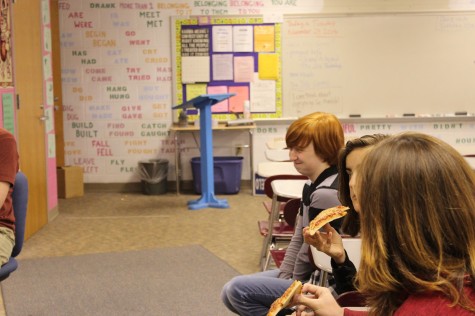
x=355, y=115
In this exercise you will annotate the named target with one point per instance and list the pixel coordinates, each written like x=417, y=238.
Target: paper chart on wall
x=264, y=38
x=194, y=90
x=262, y=95
x=222, y=67
x=49, y=123
x=242, y=38
x=268, y=66
x=8, y=112
x=236, y=103
x=243, y=68
x=51, y=145
x=223, y=106
x=195, y=69
x=222, y=38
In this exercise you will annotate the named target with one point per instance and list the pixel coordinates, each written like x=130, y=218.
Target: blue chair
x=20, y=202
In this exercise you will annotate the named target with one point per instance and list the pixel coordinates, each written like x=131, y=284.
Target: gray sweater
x=317, y=196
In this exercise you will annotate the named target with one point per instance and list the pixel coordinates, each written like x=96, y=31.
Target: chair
x=277, y=160
x=278, y=256
x=351, y=299
x=20, y=202
x=282, y=231
x=266, y=169
x=276, y=143
x=322, y=260
x=290, y=216
x=470, y=160
x=277, y=154
x=270, y=193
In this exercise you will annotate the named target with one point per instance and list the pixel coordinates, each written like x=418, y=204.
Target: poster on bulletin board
x=239, y=55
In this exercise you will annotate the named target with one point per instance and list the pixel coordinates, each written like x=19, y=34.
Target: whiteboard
x=379, y=65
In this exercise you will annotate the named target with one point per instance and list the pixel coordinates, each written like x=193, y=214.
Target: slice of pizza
x=326, y=216
x=284, y=301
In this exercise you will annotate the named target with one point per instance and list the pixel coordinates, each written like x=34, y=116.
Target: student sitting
x=343, y=270
x=314, y=142
x=417, y=200
x=8, y=171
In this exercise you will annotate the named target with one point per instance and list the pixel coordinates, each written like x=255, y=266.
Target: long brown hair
x=351, y=222
x=417, y=198
x=323, y=129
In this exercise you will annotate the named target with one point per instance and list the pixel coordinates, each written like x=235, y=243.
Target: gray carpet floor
x=109, y=222
x=163, y=281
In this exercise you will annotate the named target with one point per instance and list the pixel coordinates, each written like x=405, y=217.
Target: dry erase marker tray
x=240, y=122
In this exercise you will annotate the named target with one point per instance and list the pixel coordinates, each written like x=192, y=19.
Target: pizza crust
x=325, y=217
x=286, y=298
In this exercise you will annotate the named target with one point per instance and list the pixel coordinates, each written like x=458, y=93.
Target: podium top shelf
x=204, y=100
x=221, y=126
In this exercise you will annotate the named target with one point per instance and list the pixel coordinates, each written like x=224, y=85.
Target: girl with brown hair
x=417, y=199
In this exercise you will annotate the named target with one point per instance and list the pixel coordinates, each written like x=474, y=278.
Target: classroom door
x=28, y=74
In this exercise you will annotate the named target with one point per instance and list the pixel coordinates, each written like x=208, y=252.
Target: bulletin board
x=240, y=55
x=379, y=65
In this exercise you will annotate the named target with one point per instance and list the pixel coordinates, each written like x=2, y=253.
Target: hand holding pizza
x=331, y=243
x=328, y=242
x=317, y=301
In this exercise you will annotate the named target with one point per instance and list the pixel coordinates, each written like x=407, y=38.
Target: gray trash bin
x=153, y=175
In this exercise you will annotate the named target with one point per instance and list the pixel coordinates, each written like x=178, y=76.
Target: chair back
x=268, y=184
x=351, y=299
x=268, y=168
x=291, y=209
x=276, y=143
x=470, y=159
x=277, y=154
x=283, y=230
x=20, y=203
x=352, y=247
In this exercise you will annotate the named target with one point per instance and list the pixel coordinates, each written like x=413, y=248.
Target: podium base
x=207, y=201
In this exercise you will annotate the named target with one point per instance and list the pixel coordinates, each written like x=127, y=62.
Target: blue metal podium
x=204, y=103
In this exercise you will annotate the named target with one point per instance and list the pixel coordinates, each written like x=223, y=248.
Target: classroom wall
x=117, y=80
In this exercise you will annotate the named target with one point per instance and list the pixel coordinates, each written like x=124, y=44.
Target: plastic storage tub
x=227, y=174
